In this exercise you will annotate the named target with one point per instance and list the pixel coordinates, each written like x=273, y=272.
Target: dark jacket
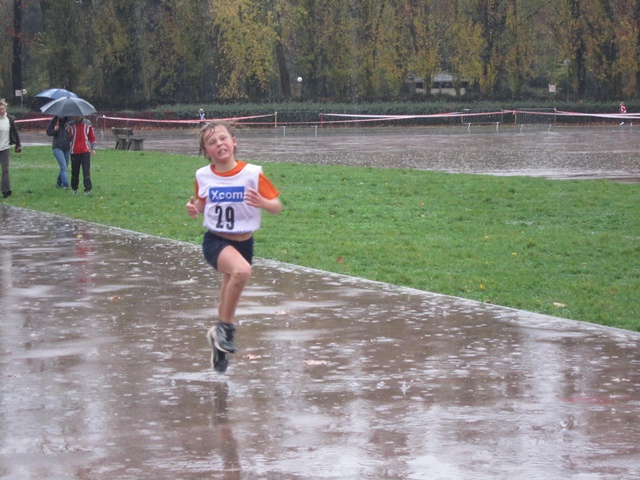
x=61, y=138
x=14, y=138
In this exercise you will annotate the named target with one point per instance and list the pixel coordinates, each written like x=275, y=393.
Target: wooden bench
x=136, y=143
x=122, y=137
x=125, y=140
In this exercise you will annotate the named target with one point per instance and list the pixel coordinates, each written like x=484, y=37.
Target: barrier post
x=275, y=116
x=104, y=124
x=536, y=116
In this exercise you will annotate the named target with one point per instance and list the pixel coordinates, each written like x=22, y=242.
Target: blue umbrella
x=53, y=93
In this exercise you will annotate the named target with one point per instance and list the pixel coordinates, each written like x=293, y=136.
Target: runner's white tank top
x=225, y=210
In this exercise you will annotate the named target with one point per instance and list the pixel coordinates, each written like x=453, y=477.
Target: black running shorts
x=212, y=245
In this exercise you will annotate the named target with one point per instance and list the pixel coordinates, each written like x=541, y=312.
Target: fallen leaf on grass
x=114, y=299
x=559, y=305
x=251, y=356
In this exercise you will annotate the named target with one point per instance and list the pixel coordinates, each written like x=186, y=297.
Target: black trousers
x=81, y=160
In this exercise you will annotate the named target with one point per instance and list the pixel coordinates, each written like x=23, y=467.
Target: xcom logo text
x=226, y=194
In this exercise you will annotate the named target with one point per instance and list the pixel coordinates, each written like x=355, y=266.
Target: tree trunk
x=285, y=82
x=16, y=65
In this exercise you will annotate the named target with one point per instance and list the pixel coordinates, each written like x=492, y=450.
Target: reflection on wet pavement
x=105, y=373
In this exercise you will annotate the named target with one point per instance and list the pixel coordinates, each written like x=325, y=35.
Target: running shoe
x=222, y=335
x=219, y=360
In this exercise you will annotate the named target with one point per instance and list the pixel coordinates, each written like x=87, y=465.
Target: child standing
x=83, y=145
x=230, y=194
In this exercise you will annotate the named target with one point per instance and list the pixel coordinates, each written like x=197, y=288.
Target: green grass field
x=565, y=248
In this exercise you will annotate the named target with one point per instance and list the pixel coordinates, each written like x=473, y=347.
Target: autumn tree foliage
x=129, y=53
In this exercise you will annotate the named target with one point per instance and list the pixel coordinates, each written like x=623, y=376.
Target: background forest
x=142, y=53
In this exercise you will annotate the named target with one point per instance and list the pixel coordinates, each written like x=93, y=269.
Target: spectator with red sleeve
x=623, y=110
x=83, y=145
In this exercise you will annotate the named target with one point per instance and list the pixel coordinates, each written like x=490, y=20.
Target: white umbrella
x=68, y=107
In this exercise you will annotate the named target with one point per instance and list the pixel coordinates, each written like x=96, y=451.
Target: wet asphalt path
x=105, y=373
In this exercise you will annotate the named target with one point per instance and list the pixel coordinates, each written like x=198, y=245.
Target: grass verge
x=564, y=248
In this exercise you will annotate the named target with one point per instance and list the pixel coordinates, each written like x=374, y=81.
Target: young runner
x=230, y=194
